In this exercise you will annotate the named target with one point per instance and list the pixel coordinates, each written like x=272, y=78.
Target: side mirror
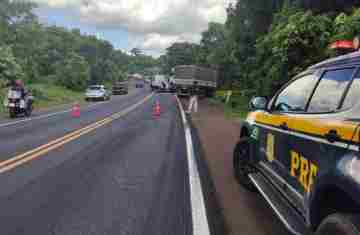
x=258, y=103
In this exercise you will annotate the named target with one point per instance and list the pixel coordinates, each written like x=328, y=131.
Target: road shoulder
x=236, y=210
x=214, y=210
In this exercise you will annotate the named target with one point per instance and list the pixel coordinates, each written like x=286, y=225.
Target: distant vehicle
x=186, y=75
x=120, y=88
x=97, y=92
x=300, y=149
x=18, y=102
x=139, y=85
x=160, y=83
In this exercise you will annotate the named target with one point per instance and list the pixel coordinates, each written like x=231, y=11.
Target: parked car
x=120, y=88
x=139, y=85
x=97, y=92
x=300, y=149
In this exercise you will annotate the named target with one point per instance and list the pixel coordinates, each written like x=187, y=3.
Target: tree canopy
x=264, y=43
x=58, y=55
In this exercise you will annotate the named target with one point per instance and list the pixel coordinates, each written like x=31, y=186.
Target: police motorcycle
x=19, y=102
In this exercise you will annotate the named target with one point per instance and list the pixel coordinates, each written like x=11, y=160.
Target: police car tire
x=339, y=224
x=241, y=158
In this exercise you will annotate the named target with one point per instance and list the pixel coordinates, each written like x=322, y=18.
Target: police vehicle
x=300, y=149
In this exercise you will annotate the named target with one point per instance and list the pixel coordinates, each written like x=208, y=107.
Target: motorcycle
x=18, y=104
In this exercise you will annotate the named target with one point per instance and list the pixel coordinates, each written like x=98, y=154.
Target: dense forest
x=38, y=53
x=264, y=43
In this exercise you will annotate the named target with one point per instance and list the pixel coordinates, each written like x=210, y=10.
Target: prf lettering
x=304, y=170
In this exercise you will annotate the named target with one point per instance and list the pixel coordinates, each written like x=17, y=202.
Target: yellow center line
x=52, y=147
x=14, y=159
x=38, y=152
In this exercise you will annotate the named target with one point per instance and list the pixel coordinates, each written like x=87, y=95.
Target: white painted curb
x=198, y=210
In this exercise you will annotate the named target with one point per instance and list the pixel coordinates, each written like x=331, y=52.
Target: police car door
x=312, y=149
x=276, y=124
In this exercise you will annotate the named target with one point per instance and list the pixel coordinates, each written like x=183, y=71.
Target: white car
x=97, y=92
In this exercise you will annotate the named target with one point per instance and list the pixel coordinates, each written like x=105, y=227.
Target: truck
x=186, y=75
x=120, y=88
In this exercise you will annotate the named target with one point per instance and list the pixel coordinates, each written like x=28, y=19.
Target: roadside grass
x=2, y=95
x=46, y=96
x=50, y=95
x=237, y=108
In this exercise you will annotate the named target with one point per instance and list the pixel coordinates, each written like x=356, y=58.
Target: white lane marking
x=198, y=210
x=46, y=116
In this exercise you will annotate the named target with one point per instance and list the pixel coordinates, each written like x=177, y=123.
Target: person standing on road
x=163, y=85
x=193, y=104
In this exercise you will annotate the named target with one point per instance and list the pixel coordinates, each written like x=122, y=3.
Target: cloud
x=58, y=3
x=153, y=24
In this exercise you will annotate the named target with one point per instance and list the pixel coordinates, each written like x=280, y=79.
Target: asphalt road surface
x=115, y=170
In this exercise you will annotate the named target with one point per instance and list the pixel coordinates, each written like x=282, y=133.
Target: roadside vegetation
x=235, y=108
x=51, y=58
x=48, y=96
x=264, y=43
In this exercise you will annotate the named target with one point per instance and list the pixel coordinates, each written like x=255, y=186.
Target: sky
x=152, y=25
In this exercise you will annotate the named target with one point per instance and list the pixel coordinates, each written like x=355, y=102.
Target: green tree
x=9, y=68
x=180, y=53
x=212, y=45
x=73, y=72
x=11, y=14
x=290, y=47
x=346, y=26
x=47, y=54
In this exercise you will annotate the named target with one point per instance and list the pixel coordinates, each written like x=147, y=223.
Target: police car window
x=328, y=94
x=353, y=95
x=295, y=96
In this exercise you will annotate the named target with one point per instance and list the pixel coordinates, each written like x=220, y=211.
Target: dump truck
x=186, y=75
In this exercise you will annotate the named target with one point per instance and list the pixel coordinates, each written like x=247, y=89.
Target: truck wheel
x=339, y=224
x=241, y=162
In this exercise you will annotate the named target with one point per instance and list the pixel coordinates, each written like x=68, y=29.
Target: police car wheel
x=241, y=163
x=339, y=224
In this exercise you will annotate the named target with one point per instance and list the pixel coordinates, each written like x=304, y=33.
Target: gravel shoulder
x=243, y=212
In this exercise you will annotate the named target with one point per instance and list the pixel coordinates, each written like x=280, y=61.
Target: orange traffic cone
x=75, y=112
x=157, y=110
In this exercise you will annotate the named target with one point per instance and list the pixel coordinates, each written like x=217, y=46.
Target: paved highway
x=115, y=170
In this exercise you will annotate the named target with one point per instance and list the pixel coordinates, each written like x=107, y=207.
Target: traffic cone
x=75, y=112
x=157, y=110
